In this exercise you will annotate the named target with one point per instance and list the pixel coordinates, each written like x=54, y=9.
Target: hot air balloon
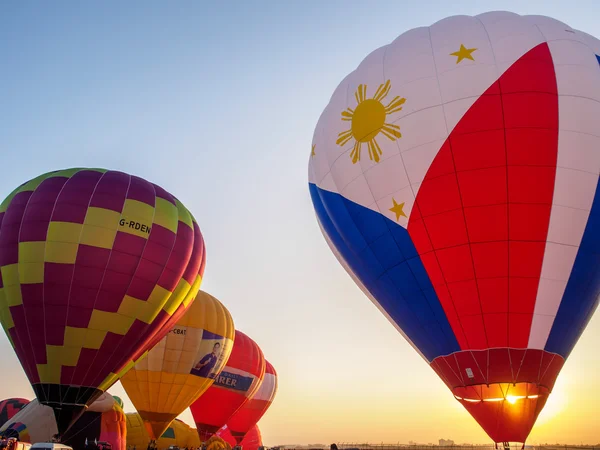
x=253, y=439
x=10, y=407
x=253, y=410
x=93, y=265
x=104, y=421
x=119, y=401
x=225, y=433
x=183, y=365
x=232, y=388
x=454, y=175
x=178, y=434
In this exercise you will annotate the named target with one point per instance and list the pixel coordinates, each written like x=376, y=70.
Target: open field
x=372, y=446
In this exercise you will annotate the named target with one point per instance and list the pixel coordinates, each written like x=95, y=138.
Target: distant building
x=446, y=442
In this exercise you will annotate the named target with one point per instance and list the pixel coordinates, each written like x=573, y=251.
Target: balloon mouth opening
x=505, y=411
x=511, y=393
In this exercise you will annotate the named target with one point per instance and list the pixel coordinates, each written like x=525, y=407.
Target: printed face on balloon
x=211, y=356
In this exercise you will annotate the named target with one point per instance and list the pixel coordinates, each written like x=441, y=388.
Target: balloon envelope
x=225, y=433
x=10, y=407
x=93, y=263
x=104, y=420
x=177, y=434
x=118, y=400
x=233, y=386
x=454, y=175
x=253, y=439
x=248, y=415
x=183, y=365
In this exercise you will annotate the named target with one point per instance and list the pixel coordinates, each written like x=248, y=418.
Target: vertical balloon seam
x=338, y=253
x=185, y=337
x=67, y=174
x=97, y=381
x=180, y=396
x=341, y=233
x=256, y=351
x=447, y=139
x=6, y=204
x=73, y=273
x=325, y=204
x=41, y=178
x=509, y=354
x=551, y=340
x=497, y=78
x=133, y=276
x=180, y=311
x=416, y=205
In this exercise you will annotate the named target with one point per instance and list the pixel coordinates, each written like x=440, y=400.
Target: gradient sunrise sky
x=217, y=104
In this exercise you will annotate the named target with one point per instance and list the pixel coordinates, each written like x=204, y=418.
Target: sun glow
x=368, y=120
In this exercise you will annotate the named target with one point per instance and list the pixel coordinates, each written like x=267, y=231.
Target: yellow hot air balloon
x=178, y=434
x=182, y=365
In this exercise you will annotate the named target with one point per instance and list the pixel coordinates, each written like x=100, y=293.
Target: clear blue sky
x=218, y=105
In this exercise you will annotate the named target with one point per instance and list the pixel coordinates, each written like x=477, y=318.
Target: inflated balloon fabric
x=93, y=265
x=454, y=174
x=183, y=365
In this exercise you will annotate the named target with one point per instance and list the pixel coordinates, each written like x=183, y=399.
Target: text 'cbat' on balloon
x=454, y=175
x=252, y=411
x=93, y=263
x=233, y=386
x=183, y=365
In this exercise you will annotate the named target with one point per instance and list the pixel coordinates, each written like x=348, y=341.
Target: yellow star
x=463, y=53
x=398, y=209
x=312, y=153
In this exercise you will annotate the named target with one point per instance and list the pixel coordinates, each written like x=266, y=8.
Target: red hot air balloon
x=10, y=407
x=232, y=388
x=253, y=439
x=248, y=415
x=225, y=434
x=93, y=266
x=454, y=175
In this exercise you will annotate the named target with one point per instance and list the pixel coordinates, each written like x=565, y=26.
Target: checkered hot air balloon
x=233, y=387
x=95, y=266
x=183, y=365
x=454, y=174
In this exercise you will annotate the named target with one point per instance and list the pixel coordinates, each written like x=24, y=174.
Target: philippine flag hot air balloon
x=233, y=386
x=454, y=174
x=183, y=365
x=93, y=264
x=248, y=415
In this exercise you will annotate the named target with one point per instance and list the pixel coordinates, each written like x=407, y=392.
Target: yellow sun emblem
x=368, y=120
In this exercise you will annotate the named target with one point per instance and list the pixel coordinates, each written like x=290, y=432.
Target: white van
x=49, y=446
